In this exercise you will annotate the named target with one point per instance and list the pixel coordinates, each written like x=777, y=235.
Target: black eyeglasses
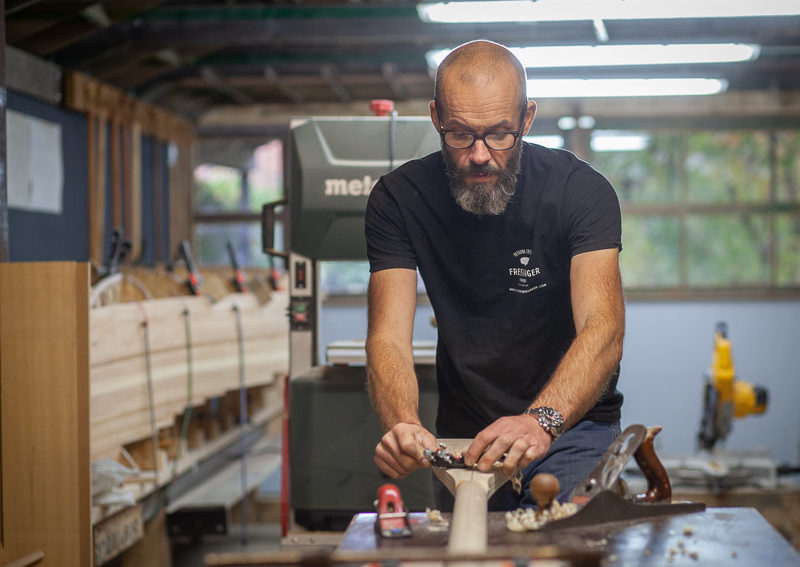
x=464, y=139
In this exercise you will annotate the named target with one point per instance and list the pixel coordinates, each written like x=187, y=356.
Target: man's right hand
x=400, y=449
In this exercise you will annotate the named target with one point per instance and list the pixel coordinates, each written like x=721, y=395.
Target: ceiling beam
x=13, y=7
x=210, y=77
x=392, y=75
x=28, y=21
x=272, y=78
x=331, y=76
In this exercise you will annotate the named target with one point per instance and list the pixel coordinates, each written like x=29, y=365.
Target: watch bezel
x=549, y=419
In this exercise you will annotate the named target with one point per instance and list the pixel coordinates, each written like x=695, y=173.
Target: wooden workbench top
x=717, y=536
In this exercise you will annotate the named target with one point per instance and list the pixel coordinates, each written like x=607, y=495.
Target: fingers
x=509, y=436
x=478, y=446
x=400, y=450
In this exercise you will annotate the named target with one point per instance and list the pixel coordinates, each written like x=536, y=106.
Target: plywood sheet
x=44, y=375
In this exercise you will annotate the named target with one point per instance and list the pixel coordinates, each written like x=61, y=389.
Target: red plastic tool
x=392, y=519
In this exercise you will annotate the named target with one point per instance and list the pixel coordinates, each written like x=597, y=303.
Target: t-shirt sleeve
x=592, y=217
x=388, y=244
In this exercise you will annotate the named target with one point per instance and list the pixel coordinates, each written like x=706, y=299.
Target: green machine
x=334, y=163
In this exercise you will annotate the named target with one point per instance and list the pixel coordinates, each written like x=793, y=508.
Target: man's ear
x=530, y=114
x=434, y=118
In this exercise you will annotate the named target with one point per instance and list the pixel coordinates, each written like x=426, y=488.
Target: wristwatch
x=550, y=420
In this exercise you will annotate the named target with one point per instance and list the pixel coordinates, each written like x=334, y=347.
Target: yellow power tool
x=725, y=396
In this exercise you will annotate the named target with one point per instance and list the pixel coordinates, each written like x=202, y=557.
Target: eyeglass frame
x=482, y=137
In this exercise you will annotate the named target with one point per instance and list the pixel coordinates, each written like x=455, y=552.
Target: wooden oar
x=471, y=489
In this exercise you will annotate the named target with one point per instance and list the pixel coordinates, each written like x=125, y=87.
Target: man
x=518, y=248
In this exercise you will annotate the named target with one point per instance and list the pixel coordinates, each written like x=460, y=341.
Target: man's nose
x=479, y=153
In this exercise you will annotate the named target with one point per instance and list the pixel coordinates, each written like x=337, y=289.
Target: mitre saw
x=725, y=398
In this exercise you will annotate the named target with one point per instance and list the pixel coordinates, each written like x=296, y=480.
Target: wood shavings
x=526, y=519
x=435, y=517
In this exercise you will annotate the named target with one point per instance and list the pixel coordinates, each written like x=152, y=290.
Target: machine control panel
x=301, y=314
x=301, y=274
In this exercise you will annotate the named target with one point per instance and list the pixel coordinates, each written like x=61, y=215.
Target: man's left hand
x=519, y=437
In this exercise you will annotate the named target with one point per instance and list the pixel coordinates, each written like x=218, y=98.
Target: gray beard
x=483, y=198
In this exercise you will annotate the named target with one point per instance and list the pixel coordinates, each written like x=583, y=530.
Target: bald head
x=478, y=63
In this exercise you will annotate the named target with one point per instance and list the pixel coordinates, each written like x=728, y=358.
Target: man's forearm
x=392, y=383
x=583, y=373
x=599, y=315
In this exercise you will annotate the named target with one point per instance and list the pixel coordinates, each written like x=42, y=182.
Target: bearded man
x=518, y=248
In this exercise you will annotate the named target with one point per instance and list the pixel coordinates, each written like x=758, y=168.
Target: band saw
x=333, y=164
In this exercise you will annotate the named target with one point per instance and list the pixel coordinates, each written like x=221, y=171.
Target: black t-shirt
x=499, y=285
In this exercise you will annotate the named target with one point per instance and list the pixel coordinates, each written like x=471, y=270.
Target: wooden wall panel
x=130, y=119
x=44, y=383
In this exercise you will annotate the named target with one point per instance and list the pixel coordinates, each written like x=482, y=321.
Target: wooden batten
x=98, y=150
x=120, y=350
x=135, y=188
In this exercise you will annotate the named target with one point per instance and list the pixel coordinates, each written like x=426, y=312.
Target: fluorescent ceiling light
x=575, y=10
x=614, y=141
x=616, y=55
x=548, y=141
x=587, y=88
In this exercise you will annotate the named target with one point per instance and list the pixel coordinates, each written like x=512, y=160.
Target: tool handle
x=658, y=485
x=238, y=276
x=194, y=280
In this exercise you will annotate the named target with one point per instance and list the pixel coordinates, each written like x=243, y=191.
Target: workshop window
x=709, y=211
x=234, y=179
x=350, y=278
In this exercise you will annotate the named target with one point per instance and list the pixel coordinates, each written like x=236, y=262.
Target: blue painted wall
x=35, y=236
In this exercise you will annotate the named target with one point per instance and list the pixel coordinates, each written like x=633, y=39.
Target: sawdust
x=527, y=519
x=436, y=517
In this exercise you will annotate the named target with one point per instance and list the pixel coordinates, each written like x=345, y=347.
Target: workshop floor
x=263, y=530
x=260, y=538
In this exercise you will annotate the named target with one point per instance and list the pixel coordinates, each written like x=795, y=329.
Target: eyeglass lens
x=494, y=140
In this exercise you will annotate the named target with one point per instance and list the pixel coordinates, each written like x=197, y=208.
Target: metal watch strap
x=549, y=419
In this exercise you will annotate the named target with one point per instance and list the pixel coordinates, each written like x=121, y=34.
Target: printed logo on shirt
x=525, y=277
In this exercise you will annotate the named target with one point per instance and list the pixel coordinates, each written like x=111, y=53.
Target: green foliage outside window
x=646, y=176
x=222, y=189
x=217, y=188
x=650, y=251
x=787, y=231
x=728, y=250
x=709, y=210
x=728, y=167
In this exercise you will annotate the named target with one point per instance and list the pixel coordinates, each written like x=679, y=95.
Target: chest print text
x=525, y=276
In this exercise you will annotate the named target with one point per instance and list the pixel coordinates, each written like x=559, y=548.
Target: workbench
x=716, y=536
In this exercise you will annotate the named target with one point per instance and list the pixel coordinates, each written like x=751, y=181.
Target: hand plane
x=599, y=497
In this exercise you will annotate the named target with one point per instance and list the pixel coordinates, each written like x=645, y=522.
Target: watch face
x=552, y=421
